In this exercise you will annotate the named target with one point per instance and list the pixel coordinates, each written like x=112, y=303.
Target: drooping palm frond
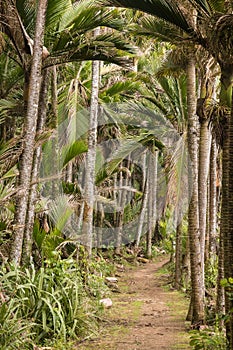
x=85, y=16
x=115, y=91
x=167, y=10
x=152, y=27
x=208, y=7
x=10, y=153
x=71, y=151
x=178, y=172
x=94, y=51
x=60, y=212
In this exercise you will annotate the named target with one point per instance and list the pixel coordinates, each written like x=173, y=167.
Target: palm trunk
x=99, y=225
x=54, y=125
x=213, y=199
x=120, y=214
x=29, y=136
x=142, y=214
x=204, y=161
x=227, y=213
x=226, y=228
x=145, y=190
x=33, y=195
x=91, y=157
x=178, y=256
x=197, y=292
x=152, y=200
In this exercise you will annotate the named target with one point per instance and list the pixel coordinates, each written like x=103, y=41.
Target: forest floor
x=147, y=314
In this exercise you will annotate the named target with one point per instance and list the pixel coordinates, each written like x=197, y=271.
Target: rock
x=107, y=302
x=120, y=268
x=111, y=279
x=143, y=260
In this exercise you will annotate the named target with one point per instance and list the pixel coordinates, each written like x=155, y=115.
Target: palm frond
x=94, y=51
x=155, y=28
x=178, y=173
x=119, y=88
x=166, y=10
x=207, y=7
x=60, y=211
x=55, y=12
x=72, y=151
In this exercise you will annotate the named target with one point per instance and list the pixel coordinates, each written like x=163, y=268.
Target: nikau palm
x=213, y=31
x=63, y=21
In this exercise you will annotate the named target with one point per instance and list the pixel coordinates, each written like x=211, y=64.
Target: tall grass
x=57, y=301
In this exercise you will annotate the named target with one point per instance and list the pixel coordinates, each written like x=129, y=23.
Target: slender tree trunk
x=152, y=200
x=204, y=161
x=226, y=228
x=220, y=300
x=91, y=157
x=197, y=298
x=100, y=222
x=227, y=214
x=33, y=193
x=178, y=256
x=213, y=199
x=142, y=214
x=122, y=203
x=54, y=125
x=29, y=135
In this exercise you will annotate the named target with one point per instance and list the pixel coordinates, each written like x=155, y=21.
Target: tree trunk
x=29, y=135
x=213, y=199
x=91, y=157
x=178, y=256
x=142, y=214
x=226, y=228
x=122, y=202
x=33, y=194
x=227, y=214
x=204, y=161
x=197, y=297
x=152, y=200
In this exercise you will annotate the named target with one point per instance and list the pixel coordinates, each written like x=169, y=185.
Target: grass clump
x=58, y=301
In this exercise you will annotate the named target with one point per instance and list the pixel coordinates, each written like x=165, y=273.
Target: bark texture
x=197, y=301
x=29, y=135
x=89, y=190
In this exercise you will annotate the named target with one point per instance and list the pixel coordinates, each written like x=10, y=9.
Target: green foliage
x=58, y=301
x=15, y=332
x=211, y=273
x=208, y=340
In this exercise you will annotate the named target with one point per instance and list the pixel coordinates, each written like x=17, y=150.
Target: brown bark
x=197, y=299
x=89, y=189
x=33, y=193
x=29, y=135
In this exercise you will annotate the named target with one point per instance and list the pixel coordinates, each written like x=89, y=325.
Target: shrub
x=58, y=300
x=208, y=340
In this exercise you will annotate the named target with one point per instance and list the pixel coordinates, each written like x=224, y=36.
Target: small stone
x=107, y=302
x=143, y=260
x=111, y=279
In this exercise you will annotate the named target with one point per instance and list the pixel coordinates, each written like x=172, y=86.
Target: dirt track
x=145, y=315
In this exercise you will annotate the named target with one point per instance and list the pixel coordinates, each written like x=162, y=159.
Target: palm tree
x=30, y=128
x=89, y=189
x=64, y=20
x=216, y=39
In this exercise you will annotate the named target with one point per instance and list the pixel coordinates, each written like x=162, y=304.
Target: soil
x=147, y=314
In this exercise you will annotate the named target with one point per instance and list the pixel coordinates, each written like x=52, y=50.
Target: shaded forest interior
x=116, y=127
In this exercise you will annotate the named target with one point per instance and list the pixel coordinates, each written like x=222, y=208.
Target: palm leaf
x=208, y=7
x=166, y=10
x=118, y=88
x=72, y=151
x=152, y=27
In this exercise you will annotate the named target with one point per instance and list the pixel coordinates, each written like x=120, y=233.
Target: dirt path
x=146, y=315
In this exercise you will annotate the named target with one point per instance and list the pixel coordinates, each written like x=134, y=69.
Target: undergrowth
x=56, y=302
